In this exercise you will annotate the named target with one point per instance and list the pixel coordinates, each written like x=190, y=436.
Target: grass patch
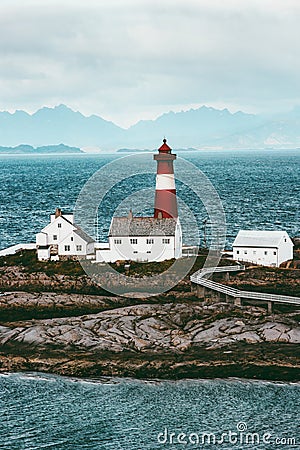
x=140, y=269
x=27, y=260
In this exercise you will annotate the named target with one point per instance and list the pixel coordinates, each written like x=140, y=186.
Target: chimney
x=57, y=213
x=165, y=192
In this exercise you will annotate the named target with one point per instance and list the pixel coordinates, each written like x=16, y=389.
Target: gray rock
x=147, y=327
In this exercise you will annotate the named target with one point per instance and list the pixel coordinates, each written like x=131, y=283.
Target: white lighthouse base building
x=142, y=239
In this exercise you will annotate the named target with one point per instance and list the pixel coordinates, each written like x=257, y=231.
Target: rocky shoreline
x=54, y=319
x=171, y=337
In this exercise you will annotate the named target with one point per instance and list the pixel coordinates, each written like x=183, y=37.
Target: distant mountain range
x=200, y=128
x=25, y=149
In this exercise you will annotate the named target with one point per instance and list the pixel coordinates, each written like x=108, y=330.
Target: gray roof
x=257, y=238
x=142, y=226
x=79, y=231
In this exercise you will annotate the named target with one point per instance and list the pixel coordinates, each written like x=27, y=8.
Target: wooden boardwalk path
x=200, y=279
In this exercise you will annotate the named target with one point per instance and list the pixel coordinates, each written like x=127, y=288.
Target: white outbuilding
x=61, y=237
x=266, y=248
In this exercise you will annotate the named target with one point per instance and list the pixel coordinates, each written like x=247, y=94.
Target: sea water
x=43, y=411
x=258, y=189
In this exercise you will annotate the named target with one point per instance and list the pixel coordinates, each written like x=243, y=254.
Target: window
x=254, y=252
x=118, y=241
x=72, y=239
x=59, y=225
x=67, y=248
x=78, y=248
x=135, y=251
x=150, y=241
x=166, y=241
x=149, y=251
x=133, y=241
x=237, y=252
x=55, y=237
x=265, y=252
x=245, y=252
x=275, y=253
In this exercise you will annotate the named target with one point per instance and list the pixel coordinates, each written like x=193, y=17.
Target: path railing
x=199, y=278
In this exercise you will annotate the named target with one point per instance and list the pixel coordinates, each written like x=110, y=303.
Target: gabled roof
x=50, y=225
x=73, y=227
x=257, y=238
x=79, y=231
x=142, y=226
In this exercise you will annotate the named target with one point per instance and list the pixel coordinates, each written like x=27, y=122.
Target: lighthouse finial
x=164, y=140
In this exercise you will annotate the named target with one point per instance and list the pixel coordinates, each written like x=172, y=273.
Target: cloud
x=124, y=59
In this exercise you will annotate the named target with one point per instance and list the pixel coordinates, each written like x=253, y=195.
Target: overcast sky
x=131, y=59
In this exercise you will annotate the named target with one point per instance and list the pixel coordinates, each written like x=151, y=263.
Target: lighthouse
x=152, y=238
x=165, y=205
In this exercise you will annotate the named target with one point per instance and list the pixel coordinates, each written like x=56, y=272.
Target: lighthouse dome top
x=165, y=148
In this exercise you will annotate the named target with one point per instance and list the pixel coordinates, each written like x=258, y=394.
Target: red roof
x=165, y=147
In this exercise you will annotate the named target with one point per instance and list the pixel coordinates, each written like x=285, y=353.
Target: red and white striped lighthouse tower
x=165, y=205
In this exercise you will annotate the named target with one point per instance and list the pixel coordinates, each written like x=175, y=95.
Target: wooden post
x=237, y=301
x=200, y=291
x=228, y=298
x=270, y=307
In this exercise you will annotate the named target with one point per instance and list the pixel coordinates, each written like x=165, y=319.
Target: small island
x=54, y=319
x=46, y=149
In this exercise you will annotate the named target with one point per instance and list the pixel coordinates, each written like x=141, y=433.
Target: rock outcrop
x=155, y=328
x=174, y=339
